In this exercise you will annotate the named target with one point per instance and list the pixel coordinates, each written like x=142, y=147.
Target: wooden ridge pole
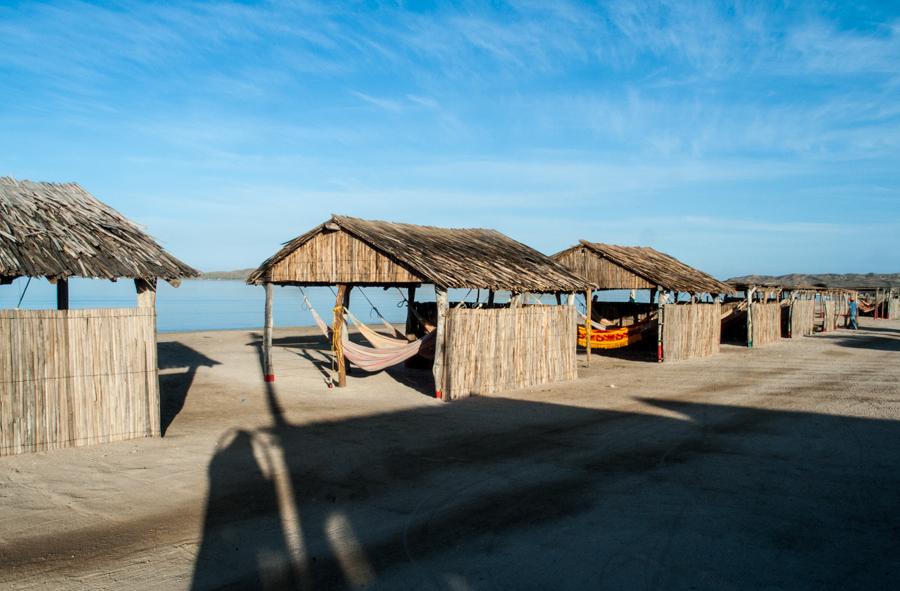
x=269, y=375
x=441, y=306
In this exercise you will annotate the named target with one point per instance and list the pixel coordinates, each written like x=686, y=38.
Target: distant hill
x=828, y=279
x=238, y=275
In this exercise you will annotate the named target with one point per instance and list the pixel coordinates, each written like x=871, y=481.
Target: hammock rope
x=425, y=324
x=388, y=325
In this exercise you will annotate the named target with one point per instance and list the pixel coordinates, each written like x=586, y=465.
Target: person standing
x=852, y=310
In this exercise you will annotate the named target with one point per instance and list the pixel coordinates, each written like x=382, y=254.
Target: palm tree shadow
x=554, y=496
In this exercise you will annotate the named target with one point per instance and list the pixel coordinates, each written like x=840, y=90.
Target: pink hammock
x=377, y=339
x=371, y=359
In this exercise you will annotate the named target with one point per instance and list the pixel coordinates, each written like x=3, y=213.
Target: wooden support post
x=269, y=375
x=589, y=312
x=441, y=305
x=62, y=294
x=490, y=298
x=411, y=322
x=750, y=317
x=659, y=324
x=146, y=293
x=558, y=299
x=570, y=299
x=343, y=294
x=790, y=331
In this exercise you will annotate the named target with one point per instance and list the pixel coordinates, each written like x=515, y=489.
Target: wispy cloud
x=690, y=110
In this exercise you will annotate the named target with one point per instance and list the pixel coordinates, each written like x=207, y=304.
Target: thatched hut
x=765, y=312
x=476, y=350
x=879, y=302
x=775, y=311
x=77, y=377
x=684, y=329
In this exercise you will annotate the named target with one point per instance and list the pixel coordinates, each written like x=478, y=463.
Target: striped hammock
x=614, y=338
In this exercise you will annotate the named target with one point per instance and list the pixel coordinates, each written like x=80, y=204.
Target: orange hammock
x=614, y=338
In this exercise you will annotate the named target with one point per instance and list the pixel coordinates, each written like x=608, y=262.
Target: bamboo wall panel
x=803, y=318
x=77, y=377
x=893, y=309
x=766, y=322
x=841, y=309
x=604, y=273
x=829, y=316
x=499, y=349
x=691, y=330
x=337, y=257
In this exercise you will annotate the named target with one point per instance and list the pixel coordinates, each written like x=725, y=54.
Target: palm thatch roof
x=469, y=258
x=59, y=230
x=655, y=267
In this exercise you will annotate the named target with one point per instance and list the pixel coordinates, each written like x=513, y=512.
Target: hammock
x=740, y=307
x=396, y=333
x=615, y=338
x=371, y=359
x=377, y=339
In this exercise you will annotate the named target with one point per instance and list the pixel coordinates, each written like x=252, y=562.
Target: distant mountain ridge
x=829, y=279
x=237, y=275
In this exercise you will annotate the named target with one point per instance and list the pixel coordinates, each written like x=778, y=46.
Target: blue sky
x=743, y=138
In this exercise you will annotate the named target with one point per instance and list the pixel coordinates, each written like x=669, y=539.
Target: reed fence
x=893, y=309
x=803, y=318
x=766, y=320
x=494, y=350
x=691, y=330
x=77, y=377
x=829, y=316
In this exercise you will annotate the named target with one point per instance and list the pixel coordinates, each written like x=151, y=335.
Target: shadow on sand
x=174, y=388
x=867, y=337
x=316, y=349
x=493, y=493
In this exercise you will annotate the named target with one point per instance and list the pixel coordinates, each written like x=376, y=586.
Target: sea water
x=220, y=305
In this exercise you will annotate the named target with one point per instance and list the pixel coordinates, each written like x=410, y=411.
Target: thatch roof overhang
x=59, y=230
x=652, y=267
x=466, y=258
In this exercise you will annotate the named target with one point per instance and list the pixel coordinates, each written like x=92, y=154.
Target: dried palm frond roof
x=470, y=258
x=59, y=230
x=656, y=267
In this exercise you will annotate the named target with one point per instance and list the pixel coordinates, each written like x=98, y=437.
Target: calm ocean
x=221, y=305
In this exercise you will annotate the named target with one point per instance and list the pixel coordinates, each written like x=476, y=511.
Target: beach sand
x=774, y=467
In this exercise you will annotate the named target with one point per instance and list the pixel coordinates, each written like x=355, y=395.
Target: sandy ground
x=768, y=468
